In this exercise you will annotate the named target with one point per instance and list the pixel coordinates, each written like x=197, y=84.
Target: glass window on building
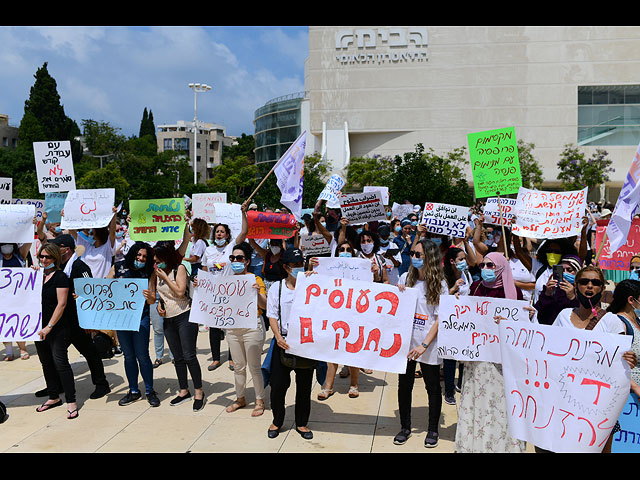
x=608, y=115
x=168, y=144
x=181, y=143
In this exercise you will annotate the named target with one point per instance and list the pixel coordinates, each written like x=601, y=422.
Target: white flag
x=290, y=173
x=627, y=206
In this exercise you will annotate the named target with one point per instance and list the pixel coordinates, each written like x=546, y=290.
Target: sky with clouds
x=111, y=74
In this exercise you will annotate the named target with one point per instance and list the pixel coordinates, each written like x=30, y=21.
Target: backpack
x=628, y=326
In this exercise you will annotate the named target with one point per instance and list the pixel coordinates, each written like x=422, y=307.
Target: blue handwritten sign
x=53, y=205
x=627, y=439
x=20, y=304
x=110, y=303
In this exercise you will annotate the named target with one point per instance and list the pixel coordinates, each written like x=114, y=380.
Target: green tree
x=109, y=176
x=101, y=138
x=235, y=176
x=577, y=172
x=529, y=167
x=147, y=126
x=374, y=170
x=424, y=176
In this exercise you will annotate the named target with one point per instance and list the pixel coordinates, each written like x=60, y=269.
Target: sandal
x=235, y=406
x=24, y=355
x=48, y=406
x=8, y=358
x=72, y=414
x=368, y=371
x=258, y=409
x=325, y=393
x=353, y=392
x=157, y=363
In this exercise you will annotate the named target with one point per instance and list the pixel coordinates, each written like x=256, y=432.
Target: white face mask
x=6, y=249
x=367, y=248
x=274, y=249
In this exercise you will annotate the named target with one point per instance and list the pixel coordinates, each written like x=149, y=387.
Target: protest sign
x=270, y=225
x=342, y=267
x=495, y=164
x=384, y=192
x=91, y=208
x=450, y=220
x=618, y=260
x=491, y=211
x=54, y=166
x=401, y=210
x=312, y=245
x=203, y=205
x=564, y=387
x=362, y=207
x=549, y=214
x=20, y=304
x=331, y=191
x=627, y=439
x=467, y=330
x=225, y=301
x=16, y=223
x=229, y=214
x=6, y=190
x=157, y=220
x=349, y=322
x=110, y=303
x=53, y=205
x=37, y=204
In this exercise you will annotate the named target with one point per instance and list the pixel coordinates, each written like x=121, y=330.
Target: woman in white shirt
x=99, y=247
x=199, y=235
x=215, y=260
x=426, y=275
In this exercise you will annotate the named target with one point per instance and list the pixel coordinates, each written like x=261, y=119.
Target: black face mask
x=588, y=302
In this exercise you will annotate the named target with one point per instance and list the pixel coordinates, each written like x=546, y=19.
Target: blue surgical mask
x=162, y=265
x=57, y=230
x=359, y=230
x=488, y=275
x=119, y=234
x=417, y=263
x=138, y=265
x=237, y=267
x=47, y=268
x=634, y=275
x=384, y=243
x=295, y=271
x=324, y=224
x=414, y=224
x=388, y=214
x=569, y=277
x=221, y=241
x=398, y=228
x=462, y=265
x=344, y=254
x=437, y=241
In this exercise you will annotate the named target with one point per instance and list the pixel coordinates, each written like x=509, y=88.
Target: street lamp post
x=197, y=88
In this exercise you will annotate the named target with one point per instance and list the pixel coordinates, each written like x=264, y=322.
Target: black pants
x=52, y=352
x=431, y=377
x=82, y=341
x=281, y=381
x=215, y=338
x=181, y=336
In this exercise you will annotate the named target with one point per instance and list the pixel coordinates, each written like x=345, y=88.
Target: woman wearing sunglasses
x=559, y=294
x=425, y=274
x=245, y=344
x=482, y=412
x=55, y=332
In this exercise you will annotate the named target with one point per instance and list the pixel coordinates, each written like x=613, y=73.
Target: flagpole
x=504, y=238
x=604, y=239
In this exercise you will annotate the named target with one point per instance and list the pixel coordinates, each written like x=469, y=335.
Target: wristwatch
x=425, y=345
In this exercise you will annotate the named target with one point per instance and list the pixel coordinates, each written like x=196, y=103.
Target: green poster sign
x=157, y=220
x=494, y=162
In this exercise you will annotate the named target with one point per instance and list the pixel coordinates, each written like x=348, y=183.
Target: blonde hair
x=53, y=250
x=432, y=270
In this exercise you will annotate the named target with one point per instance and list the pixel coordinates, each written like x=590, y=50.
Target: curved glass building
x=277, y=125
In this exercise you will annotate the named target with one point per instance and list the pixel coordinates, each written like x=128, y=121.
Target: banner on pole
x=270, y=225
x=621, y=258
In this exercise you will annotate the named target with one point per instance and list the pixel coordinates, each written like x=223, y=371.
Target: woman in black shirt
x=55, y=333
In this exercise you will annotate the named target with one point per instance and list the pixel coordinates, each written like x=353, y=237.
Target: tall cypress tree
x=146, y=124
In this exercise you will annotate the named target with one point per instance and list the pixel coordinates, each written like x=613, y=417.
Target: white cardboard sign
x=54, y=166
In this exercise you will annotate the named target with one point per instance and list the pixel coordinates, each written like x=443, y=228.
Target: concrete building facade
x=8, y=133
x=382, y=90
x=211, y=139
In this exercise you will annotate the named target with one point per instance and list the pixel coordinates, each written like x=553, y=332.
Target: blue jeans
x=135, y=346
x=158, y=333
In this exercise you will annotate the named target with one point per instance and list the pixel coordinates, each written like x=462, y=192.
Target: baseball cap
x=292, y=255
x=64, y=240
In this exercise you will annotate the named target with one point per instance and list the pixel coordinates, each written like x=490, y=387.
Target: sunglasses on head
x=594, y=281
x=237, y=258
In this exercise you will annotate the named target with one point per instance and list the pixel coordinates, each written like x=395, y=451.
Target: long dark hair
x=624, y=290
x=166, y=251
x=449, y=270
x=131, y=255
x=433, y=273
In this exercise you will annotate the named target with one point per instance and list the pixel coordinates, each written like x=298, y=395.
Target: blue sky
x=111, y=73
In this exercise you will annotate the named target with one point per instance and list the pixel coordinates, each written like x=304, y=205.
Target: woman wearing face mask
x=14, y=257
x=589, y=315
x=216, y=260
x=55, y=334
x=199, y=235
x=99, y=247
x=482, y=409
x=425, y=275
x=170, y=280
x=272, y=270
x=549, y=254
x=138, y=263
x=558, y=295
x=369, y=244
x=391, y=254
x=246, y=344
x=634, y=268
x=404, y=241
